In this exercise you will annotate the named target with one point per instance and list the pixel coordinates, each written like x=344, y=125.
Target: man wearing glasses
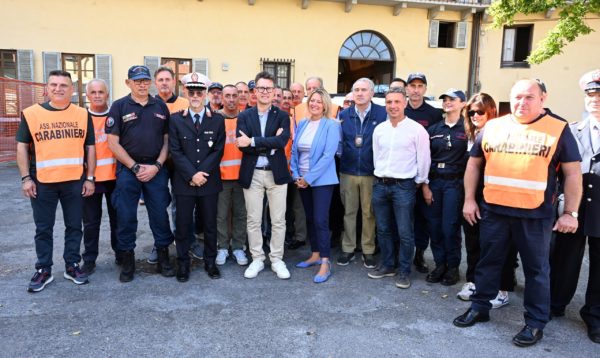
x=263, y=131
x=137, y=128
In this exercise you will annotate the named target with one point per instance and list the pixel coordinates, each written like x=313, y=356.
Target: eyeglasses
x=141, y=82
x=264, y=89
x=348, y=102
x=286, y=98
x=472, y=113
x=195, y=92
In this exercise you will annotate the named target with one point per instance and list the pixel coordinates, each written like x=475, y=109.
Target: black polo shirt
x=425, y=115
x=24, y=135
x=448, y=147
x=140, y=129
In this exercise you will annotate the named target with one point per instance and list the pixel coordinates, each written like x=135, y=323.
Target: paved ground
x=348, y=316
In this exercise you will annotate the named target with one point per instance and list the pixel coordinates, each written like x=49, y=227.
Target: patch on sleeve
x=110, y=122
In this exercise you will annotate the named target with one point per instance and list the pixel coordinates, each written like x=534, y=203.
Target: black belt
x=390, y=181
x=266, y=167
x=445, y=176
x=144, y=160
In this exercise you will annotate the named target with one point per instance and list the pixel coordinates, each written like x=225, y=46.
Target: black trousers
x=206, y=207
x=92, y=218
x=473, y=248
x=565, y=264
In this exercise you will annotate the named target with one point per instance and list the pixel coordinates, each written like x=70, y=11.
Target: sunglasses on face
x=478, y=112
x=348, y=102
x=196, y=92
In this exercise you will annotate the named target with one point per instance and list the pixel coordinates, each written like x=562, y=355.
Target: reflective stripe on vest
x=106, y=164
x=59, y=140
x=232, y=156
x=517, y=160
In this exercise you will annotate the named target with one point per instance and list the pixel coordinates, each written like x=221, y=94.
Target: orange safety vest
x=59, y=140
x=232, y=156
x=179, y=105
x=106, y=163
x=517, y=159
x=288, y=147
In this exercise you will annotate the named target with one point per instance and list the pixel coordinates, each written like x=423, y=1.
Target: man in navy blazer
x=196, y=143
x=263, y=132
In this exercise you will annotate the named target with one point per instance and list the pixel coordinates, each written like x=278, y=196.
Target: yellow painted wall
x=560, y=74
x=227, y=31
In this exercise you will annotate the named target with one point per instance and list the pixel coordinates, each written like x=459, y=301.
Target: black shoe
x=88, y=267
x=345, y=258
x=557, y=312
x=470, y=317
x=437, y=274
x=183, y=272
x=163, y=266
x=528, y=336
x=451, y=277
x=127, y=266
x=118, y=260
x=212, y=271
x=382, y=272
x=419, y=261
x=594, y=336
x=295, y=244
x=369, y=261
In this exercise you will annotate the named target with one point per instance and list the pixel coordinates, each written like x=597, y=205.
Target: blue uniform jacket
x=354, y=160
x=322, y=153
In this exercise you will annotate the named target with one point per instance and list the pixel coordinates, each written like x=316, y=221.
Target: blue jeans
x=125, y=199
x=316, y=201
x=394, y=204
x=443, y=219
x=44, y=215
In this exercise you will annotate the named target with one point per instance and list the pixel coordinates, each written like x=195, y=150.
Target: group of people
x=252, y=157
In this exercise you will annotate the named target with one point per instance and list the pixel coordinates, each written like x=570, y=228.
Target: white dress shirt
x=401, y=152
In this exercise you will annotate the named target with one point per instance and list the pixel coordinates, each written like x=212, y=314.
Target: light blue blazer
x=322, y=153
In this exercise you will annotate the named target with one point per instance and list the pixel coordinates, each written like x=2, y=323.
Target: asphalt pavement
x=351, y=315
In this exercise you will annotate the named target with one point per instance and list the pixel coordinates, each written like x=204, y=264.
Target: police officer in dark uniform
x=197, y=143
x=137, y=128
x=565, y=262
x=444, y=194
x=426, y=115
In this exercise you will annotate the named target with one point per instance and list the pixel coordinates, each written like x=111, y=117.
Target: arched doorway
x=365, y=54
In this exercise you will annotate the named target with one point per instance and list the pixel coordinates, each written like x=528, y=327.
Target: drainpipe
x=473, y=84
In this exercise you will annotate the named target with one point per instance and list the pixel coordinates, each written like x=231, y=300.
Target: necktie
x=197, y=121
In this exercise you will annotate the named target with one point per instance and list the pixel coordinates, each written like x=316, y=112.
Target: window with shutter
x=434, y=29
x=461, y=35
x=104, y=72
x=152, y=62
x=8, y=64
x=516, y=46
x=200, y=65
x=25, y=65
x=181, y=67
x=51, y=61
x=82, y=69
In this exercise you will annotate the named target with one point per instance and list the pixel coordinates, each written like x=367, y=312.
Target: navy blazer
x=270, y=145
x=195, y=151
x=321, y=169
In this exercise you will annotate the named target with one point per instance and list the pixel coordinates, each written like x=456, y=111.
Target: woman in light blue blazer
x=313, y=170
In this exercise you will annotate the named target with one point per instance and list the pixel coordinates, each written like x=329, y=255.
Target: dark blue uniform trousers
x=444, y=218
x=532, y=239
x=125, y=199
x=44, y=215
x=92, y=218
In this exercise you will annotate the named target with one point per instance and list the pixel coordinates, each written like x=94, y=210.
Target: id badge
x=358, y=141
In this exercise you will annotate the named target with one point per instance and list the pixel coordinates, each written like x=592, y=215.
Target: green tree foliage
x=571, y=23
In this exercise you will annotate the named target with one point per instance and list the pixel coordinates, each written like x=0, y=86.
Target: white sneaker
x=222, y=255
x=240, y=257
x=255, y=267
x=501, y=300
x=467, y=290
x=280, y=269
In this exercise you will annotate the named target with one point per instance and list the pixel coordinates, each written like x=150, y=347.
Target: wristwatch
x=574, y=214
x=92, y=179
x=158, y=164
x=135, y=168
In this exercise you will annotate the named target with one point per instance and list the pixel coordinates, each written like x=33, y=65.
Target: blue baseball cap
x=251, y=84
x=454, y=93
x=417, y=76
x=139, y=73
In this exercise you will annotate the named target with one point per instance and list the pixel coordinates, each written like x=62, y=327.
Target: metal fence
x=14, y=97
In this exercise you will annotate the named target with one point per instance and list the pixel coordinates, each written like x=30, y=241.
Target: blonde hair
x=325, y=98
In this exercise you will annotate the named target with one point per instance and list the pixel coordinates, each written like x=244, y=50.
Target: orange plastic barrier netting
x=14, y=97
